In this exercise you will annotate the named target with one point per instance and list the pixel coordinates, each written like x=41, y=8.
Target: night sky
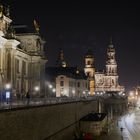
x=76, y=27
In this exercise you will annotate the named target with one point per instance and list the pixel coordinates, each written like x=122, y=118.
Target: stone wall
x=52, y=122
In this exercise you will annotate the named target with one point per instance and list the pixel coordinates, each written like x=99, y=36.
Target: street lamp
x=50, y=86
x=8, y=86
x=53, y=90
x=73, y=92
x=36, y=88
x=84, y=92
x=8, y=94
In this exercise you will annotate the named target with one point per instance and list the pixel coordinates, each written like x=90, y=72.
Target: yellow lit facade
x=90, y=71
x=108, y=80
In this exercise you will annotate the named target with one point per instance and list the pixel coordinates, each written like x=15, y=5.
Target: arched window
x=88, y=63
x=113, y=81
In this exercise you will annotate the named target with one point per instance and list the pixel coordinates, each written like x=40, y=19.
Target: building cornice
x=12, y=44
x=2, y=41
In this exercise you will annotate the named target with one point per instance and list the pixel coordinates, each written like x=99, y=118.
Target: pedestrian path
x=115, y=134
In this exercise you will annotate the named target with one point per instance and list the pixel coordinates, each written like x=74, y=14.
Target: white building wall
x=62, y=86
x=70, y=87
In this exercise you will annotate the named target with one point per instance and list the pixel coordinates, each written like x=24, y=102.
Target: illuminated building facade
x=22, y=60
x=108, y=81
x=75, y=85
x=68, y=81
x=90, y=71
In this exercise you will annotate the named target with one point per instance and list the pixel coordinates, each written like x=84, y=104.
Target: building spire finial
x=60, y=61
x=7, y=11
x=111, y=42
x=37, y=27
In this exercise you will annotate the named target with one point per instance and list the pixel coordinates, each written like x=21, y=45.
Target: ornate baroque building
x=68, y=81
x=22, y=60
x=108, y=81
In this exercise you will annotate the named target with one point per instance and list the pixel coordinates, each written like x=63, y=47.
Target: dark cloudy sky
x=77, y=27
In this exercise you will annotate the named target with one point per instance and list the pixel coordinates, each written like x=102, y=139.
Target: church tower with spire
x=111, y=66
x=108, y=81
x=90, y=71
x=60, y=60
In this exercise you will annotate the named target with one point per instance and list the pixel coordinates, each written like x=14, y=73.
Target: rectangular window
x=17, y=65
x=86, y=85
x=61, y=83
x=88, y=62
x=78, y=84
x=24, y=67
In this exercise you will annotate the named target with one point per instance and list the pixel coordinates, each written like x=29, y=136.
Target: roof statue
x=1, y=10
x=36, y=25
x=7, y=11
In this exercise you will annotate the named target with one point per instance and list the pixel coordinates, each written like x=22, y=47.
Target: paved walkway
x=115, y=134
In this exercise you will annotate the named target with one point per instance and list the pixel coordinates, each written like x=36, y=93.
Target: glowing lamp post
x=36, y=88
x=53, y=90
x=8, y=86
x=73, y=93
x=8, y=94
x=50, y=86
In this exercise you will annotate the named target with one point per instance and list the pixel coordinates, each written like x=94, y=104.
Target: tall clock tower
x=90, y=71
x=61, y=61
x=111, y=66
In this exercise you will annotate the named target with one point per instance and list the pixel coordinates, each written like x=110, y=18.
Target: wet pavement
x=126, y=127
